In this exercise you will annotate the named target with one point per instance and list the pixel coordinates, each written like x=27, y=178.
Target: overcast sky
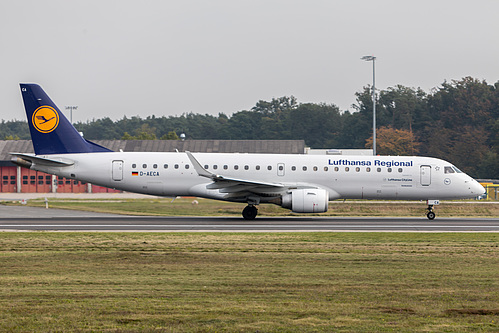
x=116, y=58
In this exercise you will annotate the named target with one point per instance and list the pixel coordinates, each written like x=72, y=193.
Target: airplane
x=301, y=183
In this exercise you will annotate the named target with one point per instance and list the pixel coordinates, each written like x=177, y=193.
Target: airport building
x=16, y=179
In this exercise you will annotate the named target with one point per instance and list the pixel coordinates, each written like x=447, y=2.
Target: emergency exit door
x=425, y=175
x=117, y=170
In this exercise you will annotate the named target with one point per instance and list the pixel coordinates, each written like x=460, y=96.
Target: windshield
x=448, y=169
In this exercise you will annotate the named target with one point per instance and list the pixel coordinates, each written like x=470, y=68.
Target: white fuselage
x=343, y=177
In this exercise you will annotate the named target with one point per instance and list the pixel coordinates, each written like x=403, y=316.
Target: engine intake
x=306, y=201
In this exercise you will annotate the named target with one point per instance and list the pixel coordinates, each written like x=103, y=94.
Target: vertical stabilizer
x=51, y=132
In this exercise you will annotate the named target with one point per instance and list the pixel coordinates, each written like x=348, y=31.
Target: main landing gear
x=250, y=212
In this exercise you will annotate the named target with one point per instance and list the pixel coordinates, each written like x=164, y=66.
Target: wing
x=40, y=117
x=235, y=188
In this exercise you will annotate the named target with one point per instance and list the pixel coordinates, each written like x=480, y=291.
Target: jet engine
x=306, y=201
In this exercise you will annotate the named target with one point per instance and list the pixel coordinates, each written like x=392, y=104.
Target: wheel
x=430, y=215
x=250, y=212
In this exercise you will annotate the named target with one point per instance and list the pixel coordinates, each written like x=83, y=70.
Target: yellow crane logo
x=45, y=119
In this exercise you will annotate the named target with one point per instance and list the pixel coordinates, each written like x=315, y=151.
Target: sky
x=162, y=58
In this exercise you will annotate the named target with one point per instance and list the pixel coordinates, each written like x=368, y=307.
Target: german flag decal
x=135, y=173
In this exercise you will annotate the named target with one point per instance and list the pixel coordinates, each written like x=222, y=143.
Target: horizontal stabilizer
x=41, y=160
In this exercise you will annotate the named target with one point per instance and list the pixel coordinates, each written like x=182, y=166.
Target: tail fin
x=51, y=132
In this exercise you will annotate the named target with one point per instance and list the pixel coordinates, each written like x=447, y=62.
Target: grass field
x=226, y=282
x=205, y=207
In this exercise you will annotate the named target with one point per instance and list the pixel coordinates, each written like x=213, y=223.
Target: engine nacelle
x=306, y=201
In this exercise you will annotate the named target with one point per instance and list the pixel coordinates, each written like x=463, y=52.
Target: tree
x=391, y=141
x=170, y=136
x=127, y=136
x=463, y=115
x=403, y=108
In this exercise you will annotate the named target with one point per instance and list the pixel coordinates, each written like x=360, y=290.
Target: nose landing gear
x=430, y=214
x=250, y=212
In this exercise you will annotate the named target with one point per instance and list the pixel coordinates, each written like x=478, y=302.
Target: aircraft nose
x=477, y=188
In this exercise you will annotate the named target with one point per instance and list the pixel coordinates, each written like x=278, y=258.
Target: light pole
x=373, y=59
x=71, y=112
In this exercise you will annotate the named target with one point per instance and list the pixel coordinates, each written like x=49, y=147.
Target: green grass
x=226, y=282
x=205, y=207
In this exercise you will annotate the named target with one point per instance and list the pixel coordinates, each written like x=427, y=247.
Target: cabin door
x=425, y=175
x=117, y=170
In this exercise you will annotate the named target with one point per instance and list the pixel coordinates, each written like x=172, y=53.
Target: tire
x=430, y=215
x=250, y=212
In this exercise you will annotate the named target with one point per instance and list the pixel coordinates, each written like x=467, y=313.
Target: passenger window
x=448, y=169
x=144, y=166
x=389, y=169
x=347, y=169
x=316, y=168
x=257, y=167
x=281, y=168
x=165, y=166
x=206, y=166
x=176, y=166
x=357, y=169
x=155, y=166
x=134, y=166
x=326, y=168
x=336, y=169
x=226, y=167
x=215, y=167
x=187, y=166
x=236, y=167
x=368, y=169
x=400, y=170
x=378, y=169
x=269, y=167
x=304, y=168
x=246, y=167
x=293, y=168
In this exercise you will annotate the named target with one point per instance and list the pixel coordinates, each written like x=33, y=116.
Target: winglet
x=199, y=168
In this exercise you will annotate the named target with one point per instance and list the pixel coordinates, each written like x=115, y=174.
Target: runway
x=236, y=224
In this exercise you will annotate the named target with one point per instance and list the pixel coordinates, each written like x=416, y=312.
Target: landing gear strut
x=250, y=212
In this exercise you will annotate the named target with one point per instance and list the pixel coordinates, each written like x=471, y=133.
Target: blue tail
x=51, y=132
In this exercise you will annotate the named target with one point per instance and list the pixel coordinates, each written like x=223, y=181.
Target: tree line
x=458, y=121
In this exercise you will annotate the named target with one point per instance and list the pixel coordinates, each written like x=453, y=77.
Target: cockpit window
x=456, y=169
x=448, y=169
